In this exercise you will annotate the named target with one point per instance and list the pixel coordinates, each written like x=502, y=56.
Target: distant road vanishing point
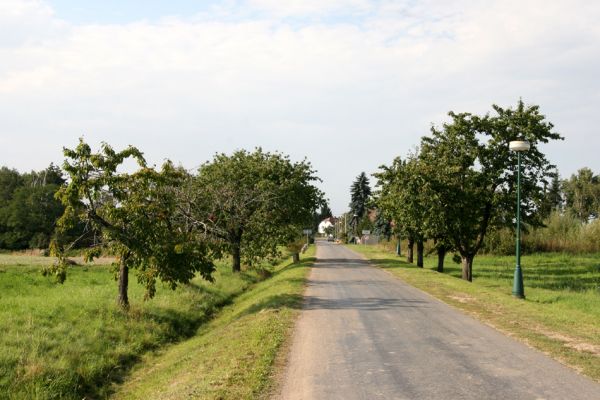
x=364, y=334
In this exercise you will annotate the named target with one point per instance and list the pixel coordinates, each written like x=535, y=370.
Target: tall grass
x=71, y=341
x=565, y=233
x=561, y=233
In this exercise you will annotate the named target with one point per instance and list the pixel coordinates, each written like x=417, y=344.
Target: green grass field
x=236, y=355
x=71, y=341
x=561, y=313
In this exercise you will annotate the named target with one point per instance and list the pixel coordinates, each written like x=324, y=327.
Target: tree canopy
x=461, y=183
x=137, y=216
x=360, y=195
x=582, y=194
x=28, y=209
x=253, y=202
x=405, y=192
x=473, y=172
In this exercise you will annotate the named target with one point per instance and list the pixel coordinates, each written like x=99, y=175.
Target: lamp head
x=519, y=145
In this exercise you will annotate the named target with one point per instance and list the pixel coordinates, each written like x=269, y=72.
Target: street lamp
x=519, y=146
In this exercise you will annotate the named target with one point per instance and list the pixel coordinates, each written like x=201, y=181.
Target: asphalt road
x=367, y=335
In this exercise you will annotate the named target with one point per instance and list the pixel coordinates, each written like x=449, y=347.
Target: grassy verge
x=561, y=315
x=233, y=356
x=71, y=341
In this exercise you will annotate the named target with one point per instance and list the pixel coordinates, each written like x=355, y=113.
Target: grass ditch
x=234, y=355
x=71, y=341
x=560, y=315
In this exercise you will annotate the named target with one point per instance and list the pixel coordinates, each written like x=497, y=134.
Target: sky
x=347, y=84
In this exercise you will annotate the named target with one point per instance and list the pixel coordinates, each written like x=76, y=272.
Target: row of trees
x=168, y=224
x=460, y=183
x=28, y=209
x=569, y=212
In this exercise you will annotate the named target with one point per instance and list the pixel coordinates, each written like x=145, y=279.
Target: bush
x=500, y=241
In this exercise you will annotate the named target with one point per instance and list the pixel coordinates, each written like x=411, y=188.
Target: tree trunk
x=123, y=300
x=441, y=252
x=420, y=247
x=467, y=268
x=296, y=258
x=409, y=250
x=237, y=258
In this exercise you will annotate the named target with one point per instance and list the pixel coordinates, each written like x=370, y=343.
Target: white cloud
x=11, y=9
x=350, y=95
x=300, y=8
x=22, y=21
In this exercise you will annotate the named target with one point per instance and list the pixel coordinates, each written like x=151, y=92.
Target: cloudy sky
x=349, y=84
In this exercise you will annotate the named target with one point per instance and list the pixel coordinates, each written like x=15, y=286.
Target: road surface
x=364, y=334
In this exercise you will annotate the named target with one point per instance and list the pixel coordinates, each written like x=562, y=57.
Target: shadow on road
x=340, y=262
x=349, y=282
x=362, y=303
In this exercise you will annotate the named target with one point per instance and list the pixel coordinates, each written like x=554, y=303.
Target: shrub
x=500, y=241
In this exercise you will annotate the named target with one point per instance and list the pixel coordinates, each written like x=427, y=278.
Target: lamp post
x=519, y=146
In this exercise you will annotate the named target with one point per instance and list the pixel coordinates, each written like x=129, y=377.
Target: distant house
x=326, y=223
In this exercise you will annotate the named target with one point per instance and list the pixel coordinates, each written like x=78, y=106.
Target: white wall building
x=326, y=223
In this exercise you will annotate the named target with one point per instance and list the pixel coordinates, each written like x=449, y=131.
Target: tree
x=582, y=193
x=382, y=225
x=389, y=184
x=253, y=202
x=137, y=215
x=360, y=193
x=28, y=209
x=325, y=211
x=401, y=195
x=30, y=217
x=434, y=224
x=413, y=213
x=474, y=174
x=330, y=230
x=553, y=197
x=10, y=180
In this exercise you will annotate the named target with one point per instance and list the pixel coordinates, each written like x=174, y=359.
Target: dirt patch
x=571, y=342
x=462, y=298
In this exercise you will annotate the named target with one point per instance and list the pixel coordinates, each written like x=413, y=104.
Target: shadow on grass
x=551, y=278
x=304, y=262
x=555, y=275
x=177, y=325
x=279, y=301
x=182, y=326
x=275, y=302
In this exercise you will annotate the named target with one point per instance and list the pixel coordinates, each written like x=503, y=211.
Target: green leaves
x=252, y=202
x=462, y=181
x=360, y=195
x=582, y=194
x=136, y=216
x=28, y=209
